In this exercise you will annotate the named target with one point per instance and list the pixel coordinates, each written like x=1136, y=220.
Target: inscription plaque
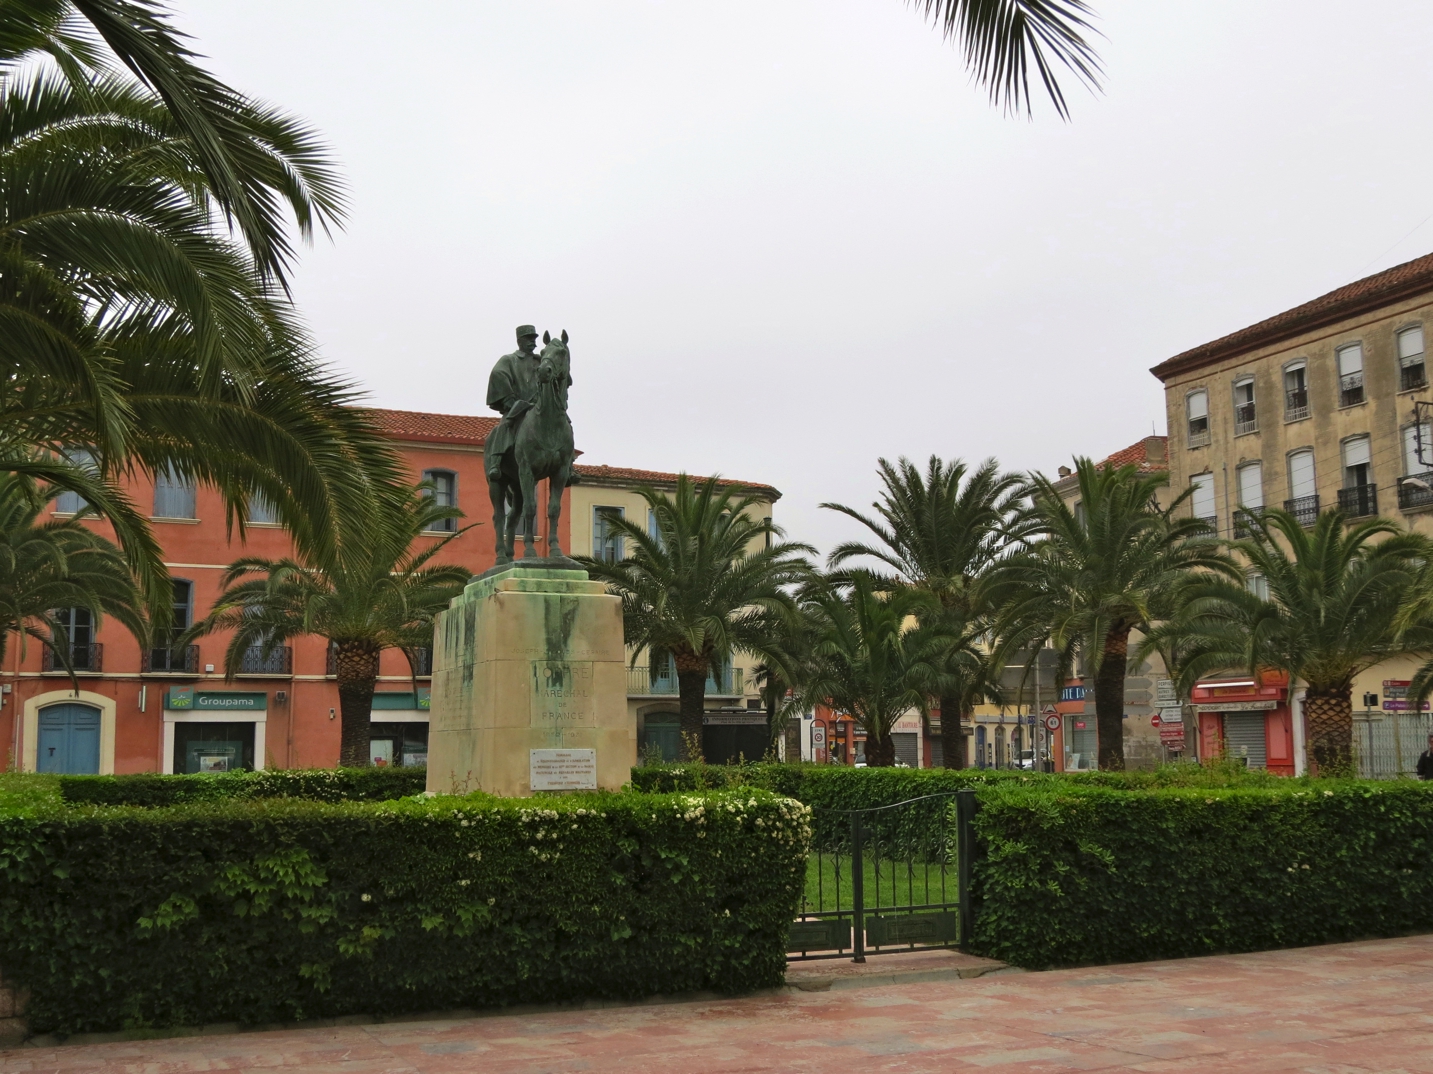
x=562, y=694
x=563, y=770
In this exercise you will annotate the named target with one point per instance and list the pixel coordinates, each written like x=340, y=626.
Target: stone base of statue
x=530, y=686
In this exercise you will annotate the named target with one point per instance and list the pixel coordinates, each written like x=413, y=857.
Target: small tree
x=707, y=581
x=1338, y=604
x=1084, y=581
x=377, y=593
x=877, y=655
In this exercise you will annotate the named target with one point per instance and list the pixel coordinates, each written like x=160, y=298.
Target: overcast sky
x=788, y=237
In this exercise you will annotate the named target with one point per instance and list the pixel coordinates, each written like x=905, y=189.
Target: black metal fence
x=888, y=878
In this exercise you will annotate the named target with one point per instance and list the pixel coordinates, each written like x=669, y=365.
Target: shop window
x=1411, y=371
x=1350, y=375
x=201, y=747
x=401, y=744
x=444, y=492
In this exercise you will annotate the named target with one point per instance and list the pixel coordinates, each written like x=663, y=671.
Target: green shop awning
x=401, y=699
x=188, y=699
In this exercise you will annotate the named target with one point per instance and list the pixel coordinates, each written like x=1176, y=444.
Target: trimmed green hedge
x=1070, y=874
x=276, y=910
x=318, y=784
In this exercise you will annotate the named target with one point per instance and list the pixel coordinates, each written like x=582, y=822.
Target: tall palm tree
x=132, y=328
x=1085, y=580
x=878, y=654
x=255, y=160
x=1339, y=597
x=942, y=532
x=707, y=581
x=378, y=593
x=57, y=564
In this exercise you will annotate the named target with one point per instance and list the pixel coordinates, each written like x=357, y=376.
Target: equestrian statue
x=532, y=442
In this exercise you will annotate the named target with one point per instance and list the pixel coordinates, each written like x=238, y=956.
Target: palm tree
x=130, y=327
x=254, y=160
x=377, y=593
x=942, y=532
x=56, y=564
x=1085, y=579
x=1338, y=603
x=877, y=655
x=708, y=580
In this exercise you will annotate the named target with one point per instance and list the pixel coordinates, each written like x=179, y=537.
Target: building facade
x=1323, y=406
x=173, y=709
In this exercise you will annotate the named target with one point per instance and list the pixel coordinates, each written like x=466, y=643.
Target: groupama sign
x=188, y=699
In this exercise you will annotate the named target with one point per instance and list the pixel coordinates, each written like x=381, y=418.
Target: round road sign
x=1154, y=720
x=1052, y=722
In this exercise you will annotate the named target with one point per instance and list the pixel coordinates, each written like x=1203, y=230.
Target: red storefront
x=1246, y=718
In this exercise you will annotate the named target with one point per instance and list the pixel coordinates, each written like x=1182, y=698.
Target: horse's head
x=556, y=359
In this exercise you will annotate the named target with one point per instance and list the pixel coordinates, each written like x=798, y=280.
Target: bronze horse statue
x=543, y=450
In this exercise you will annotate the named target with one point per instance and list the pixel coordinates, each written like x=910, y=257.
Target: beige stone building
x=735, y=722
x=1321, y=406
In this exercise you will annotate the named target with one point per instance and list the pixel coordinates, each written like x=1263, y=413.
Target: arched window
x=1296, y=390
x=1303, y=501
x=1245, y=418
x=1412, y=373
x=1350, y=375
x=1202, y=501
x=1196, y=405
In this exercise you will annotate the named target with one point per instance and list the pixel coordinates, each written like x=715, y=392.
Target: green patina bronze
x=532, y=443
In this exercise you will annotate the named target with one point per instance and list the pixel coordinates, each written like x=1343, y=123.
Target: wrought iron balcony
x=1350, y=389
x=1415, y=491
x=1212, y=521
x=1412, y=376
x=1243, y=521
x=82, y=658
x=1305, y=509
x=177, y=660
x=1359, y=501
x=1245, y=419
x=645, y=682
x=1296, y=404
x=278, y=662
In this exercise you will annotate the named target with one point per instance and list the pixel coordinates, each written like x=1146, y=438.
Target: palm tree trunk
x=356, y=663
x=1330, y=722
x=880, y=752
x=692, y=671
x=952, y=737
x=1110, y=700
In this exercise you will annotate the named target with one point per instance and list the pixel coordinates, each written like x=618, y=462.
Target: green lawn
x=899, y=884
x=24, y=790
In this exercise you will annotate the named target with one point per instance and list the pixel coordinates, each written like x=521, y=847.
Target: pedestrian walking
x=1425, y=761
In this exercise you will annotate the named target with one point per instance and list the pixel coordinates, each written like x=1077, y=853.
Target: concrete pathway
x=1339, y=1009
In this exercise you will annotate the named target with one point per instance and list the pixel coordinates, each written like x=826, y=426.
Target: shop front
x=214, y=731
x=1246, y=720
x=398, y=731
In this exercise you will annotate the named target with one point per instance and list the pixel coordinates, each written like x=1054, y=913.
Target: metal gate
x=888, y=878
x=1386, y=745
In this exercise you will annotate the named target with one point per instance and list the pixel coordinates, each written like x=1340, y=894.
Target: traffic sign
x=1154, y=720
x=1048, y=710
x=1052, y=721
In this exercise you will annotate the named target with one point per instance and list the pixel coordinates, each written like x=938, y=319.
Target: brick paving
x=1338, y=1009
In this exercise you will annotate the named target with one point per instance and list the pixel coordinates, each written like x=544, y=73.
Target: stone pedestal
x=529, y=659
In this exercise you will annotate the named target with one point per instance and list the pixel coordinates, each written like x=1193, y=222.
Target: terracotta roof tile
x=1138, y=453
x=434, y=428
x=1401, y=281
x=628, y=475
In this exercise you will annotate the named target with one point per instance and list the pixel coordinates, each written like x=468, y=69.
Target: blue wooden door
x=69, y=740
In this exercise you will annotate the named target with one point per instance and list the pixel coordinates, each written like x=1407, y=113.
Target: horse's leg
x=529, y=508
x=514, y=515
x=497, y=494
x=556, y=482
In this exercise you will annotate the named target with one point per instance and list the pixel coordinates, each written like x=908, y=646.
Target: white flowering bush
x=270, y=910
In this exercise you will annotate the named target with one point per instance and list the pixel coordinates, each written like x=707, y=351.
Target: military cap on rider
x=525, y=330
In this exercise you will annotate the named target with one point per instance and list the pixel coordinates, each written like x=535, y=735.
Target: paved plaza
x=1338, y=1009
